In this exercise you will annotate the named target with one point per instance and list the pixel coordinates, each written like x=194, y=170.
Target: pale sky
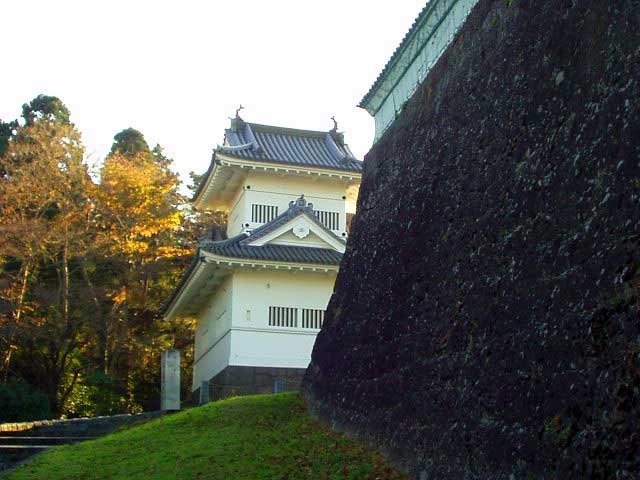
x=176, y=70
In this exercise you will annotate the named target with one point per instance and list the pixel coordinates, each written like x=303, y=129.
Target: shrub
x=20, y=402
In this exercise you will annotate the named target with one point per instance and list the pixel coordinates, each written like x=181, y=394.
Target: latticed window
x=331, y=220
x=263, y=213
x=283, y=317
x=312, y=318
x=292, y=317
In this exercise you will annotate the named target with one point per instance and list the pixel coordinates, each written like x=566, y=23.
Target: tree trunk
x=102, y=330
x=121, y=335
x=16, y=319
x=65, y=278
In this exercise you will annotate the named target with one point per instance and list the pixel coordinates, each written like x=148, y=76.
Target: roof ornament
x=301, y=203
x=333, y=138
x=237, y=121
x=335, y=125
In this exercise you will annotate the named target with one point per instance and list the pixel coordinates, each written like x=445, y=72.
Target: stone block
x=170, y=381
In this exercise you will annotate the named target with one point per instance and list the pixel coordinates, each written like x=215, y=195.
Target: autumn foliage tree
x=86, y=264
x=137, y=209
x=44, y=225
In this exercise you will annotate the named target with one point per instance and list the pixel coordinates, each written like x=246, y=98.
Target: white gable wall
x=302, y=230
x=311, y=240
x=278, y=190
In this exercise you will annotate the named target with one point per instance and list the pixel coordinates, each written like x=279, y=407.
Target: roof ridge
x=396, y=53
x=226, y=240
x=293, y=131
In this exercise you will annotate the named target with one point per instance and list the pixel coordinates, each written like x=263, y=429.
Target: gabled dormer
x=260, y=169
x=297, y=227
x=294, y=241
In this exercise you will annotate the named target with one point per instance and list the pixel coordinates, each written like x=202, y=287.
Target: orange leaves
x=43, y=197
x=119, y=296
x=171, y=252
x=136, y=202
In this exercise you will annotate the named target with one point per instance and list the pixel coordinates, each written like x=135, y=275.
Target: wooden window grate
x=331, y=220
x=312, y=318
x=263, y=213
x=283, y=317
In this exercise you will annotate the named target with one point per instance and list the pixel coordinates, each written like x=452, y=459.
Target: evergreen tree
x=129, y=142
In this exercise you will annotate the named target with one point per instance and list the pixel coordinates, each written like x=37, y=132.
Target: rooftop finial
x=301, y=203
x=238, y=111
x=335, y=124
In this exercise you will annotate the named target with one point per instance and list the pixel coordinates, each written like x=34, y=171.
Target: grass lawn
x=257, y=437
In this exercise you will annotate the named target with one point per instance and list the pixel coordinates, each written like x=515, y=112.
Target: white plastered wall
x=233, y=328
x=253, y=341
x=236, y=213
x=429, y=42
x=213, y=339
x=273, y=189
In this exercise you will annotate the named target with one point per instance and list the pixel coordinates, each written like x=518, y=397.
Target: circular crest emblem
x=301, y=231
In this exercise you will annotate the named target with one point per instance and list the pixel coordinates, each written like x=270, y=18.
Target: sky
x=177, y=70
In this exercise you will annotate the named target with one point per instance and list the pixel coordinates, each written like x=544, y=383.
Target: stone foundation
x=238, y=381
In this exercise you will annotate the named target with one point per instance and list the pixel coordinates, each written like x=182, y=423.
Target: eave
x=266, y=264
x=227, y=172
x=209, y=270
x=219, y=187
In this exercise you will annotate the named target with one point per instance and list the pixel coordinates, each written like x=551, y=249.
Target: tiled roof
x=288, y=145
x=239, y=246
x=396, y=54
x=235, y=248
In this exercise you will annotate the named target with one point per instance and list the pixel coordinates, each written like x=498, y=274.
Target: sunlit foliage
x=86, y=264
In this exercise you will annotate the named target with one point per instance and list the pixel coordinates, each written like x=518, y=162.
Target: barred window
x=312, y=318
x=331, y=220
x=283, y=317
x=263, y=213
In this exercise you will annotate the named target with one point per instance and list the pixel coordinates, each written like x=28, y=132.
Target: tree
x=137, y=203
x=85, y=267
x=7, y=130
x=44, y=107
x=43, y=225
x=129, y=142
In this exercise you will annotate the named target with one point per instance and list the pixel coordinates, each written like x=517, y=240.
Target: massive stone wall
x=485, y=322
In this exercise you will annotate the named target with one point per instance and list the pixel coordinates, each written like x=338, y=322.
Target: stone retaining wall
x=485, y=321
x=75, y=425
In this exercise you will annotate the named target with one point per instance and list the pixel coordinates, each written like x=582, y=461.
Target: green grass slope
x=257, y=437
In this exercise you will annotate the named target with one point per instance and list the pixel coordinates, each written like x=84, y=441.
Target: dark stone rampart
x=485, y=322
